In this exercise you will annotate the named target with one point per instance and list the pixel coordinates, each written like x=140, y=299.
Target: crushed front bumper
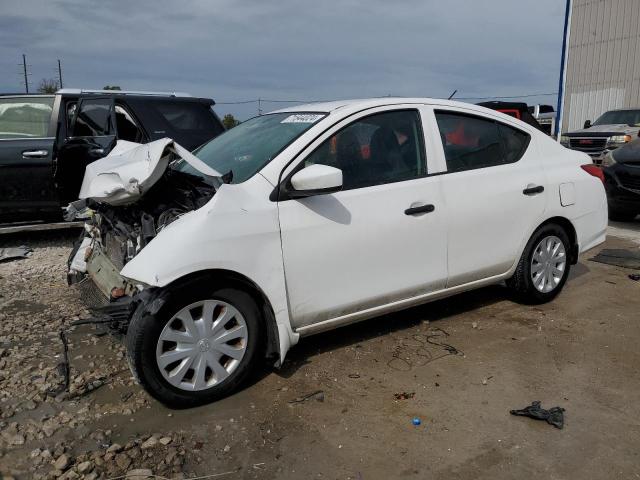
x=96, y=278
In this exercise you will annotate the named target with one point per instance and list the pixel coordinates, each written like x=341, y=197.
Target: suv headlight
x=608, y=160
x=564, y=140
x=618, y=140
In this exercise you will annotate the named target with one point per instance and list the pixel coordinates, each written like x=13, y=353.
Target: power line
x=260, y=101
x=509, y=96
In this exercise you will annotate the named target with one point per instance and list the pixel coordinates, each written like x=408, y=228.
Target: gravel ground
x=342, y=405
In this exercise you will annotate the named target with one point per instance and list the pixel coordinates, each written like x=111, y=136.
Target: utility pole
x=59, y=73
x=259, y=107
x=24, y=68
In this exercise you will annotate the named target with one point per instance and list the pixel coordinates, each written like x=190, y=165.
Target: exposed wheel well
x=568, y=227
x=232, y=279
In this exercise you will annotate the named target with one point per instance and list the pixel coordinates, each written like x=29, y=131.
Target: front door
x=26, y=148
x=379, y=240
x=92, y=135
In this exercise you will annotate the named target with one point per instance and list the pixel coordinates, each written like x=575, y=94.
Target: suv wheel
x=544, y=266
x=200, y=347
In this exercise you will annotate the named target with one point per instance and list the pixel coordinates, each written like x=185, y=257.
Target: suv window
x=94, y=118
x=127, y=127
x=25, y=117
x=382, y=148
x=472, y=142
x=188, y=116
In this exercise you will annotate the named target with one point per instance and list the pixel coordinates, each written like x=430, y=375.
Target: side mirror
x=587, y=124
x=315, y=180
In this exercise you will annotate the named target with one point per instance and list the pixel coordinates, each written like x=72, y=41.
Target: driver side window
x=381, y=148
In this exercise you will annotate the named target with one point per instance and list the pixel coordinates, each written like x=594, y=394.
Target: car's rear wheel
x=200, y=347
x=544, y=266
x=622, y=215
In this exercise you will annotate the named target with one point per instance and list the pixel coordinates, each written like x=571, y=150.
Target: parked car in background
x=546, y=117
x=517, y=110
x=611, y=130
x=46, y=141
x=317, y=216
x=621, y=169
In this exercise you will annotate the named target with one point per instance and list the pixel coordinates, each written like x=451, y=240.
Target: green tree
x=48, y=85
x=112, y=87
x=229, y=121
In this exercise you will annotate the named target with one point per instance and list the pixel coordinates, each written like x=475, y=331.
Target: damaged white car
x=309, y=218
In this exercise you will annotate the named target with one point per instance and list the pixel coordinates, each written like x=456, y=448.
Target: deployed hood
x=130, y=169
x=604, y=131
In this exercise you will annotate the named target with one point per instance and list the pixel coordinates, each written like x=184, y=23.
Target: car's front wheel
x=544, y=266
x=198, y=348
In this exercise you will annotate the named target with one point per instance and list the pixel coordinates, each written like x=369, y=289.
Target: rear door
x=493, y=189
x=26, y=147
x=91, y=136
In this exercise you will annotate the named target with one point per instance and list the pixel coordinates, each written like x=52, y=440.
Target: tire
x=531, y=288
x=621, y=215
x=146, y=350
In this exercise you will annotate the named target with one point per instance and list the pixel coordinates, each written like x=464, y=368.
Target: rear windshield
x=245, y=149
x=25, y=117
x=620, y=117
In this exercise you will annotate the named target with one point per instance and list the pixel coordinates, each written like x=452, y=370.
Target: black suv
x=46, y=141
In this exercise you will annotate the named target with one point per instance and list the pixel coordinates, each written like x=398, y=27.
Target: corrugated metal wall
x=603, y=71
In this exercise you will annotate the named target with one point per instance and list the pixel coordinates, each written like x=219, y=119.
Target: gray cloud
x=245, y=49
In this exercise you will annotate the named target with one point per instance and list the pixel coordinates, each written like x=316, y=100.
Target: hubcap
x=202, y=345
x=548, y=264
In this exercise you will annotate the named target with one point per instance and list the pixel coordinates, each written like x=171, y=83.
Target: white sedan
x=331, y=213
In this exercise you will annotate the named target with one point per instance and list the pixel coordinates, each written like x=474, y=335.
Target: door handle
x=533, y=190
x=34, y=153
x=419, y=209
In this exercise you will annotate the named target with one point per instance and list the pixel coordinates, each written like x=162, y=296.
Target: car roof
x=366, y=103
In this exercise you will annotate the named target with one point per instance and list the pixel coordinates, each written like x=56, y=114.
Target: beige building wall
x=603, y=62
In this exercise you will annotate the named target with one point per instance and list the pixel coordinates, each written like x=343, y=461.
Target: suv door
x=365, y=247
x=26, y=147
x=91, y=136
x=494, y=191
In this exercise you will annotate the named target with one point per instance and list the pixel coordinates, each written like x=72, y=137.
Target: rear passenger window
x=188, y=116
x=126, y=126
x=25, y=117
x=514, y=141
x=472, y=142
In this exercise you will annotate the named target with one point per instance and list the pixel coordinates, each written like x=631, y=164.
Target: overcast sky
x=234, y=50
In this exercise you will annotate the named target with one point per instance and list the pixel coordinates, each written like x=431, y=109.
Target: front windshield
x=245, y=149
x=620, y=117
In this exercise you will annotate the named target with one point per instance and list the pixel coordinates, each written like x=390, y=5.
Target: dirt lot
x=459, y=365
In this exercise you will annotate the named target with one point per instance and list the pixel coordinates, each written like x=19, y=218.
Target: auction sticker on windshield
x=302, y=118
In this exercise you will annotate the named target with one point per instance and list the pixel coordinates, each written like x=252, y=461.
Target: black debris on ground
x=618, y=257
x=554, y=416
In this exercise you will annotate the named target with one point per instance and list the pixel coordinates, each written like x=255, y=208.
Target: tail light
x=594, y=170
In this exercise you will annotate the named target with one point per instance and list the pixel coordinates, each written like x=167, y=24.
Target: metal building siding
x=603, y=70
